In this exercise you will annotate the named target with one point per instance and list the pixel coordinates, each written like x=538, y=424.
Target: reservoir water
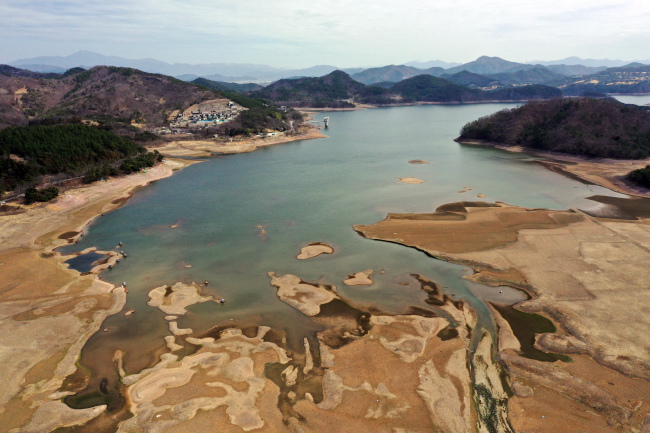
x=206, y=221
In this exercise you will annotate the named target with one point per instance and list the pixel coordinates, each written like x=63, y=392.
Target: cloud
x=302, y=33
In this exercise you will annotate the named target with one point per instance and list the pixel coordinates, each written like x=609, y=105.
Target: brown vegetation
x=101, y=92
x=581, y=126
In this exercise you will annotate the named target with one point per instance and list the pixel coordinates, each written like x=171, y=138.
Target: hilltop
x=433, y=89
x=630, y=79
x=579, y=126
x=487, y=65
x=427, y=88
x=94, y=122
x=393, y=73
x=122, y=97
x=331, y=90
x=339, y=90
x=534, y=75
x=470, y=79
x=101, y=92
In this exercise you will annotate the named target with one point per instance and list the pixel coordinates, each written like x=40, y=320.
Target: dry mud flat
x=248, y=379
x=47, y=312
x=589, y=275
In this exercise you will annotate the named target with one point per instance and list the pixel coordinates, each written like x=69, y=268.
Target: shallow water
x=302, y=192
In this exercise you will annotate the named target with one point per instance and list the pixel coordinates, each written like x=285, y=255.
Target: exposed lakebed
x=203, y=223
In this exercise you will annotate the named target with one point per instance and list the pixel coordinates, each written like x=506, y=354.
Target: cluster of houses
x=203, y=115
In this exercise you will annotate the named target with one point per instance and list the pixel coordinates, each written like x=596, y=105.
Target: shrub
x=46, y=194
x=641, y=176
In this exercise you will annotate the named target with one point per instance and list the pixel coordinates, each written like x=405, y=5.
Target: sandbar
x=359, y=279
x=175, y=299
x=419, y=161
x=314, y=249
x=306, y=297
x=411, y=180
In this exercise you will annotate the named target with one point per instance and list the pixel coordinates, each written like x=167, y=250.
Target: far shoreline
x=606, y=172
x=359, y=107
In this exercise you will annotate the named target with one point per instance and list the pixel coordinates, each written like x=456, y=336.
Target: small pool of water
x=85, y=262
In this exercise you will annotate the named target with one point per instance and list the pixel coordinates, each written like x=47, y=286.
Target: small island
x=314, y=249
x=411, y=180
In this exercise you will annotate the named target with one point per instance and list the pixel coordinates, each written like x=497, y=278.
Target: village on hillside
x=202, y=115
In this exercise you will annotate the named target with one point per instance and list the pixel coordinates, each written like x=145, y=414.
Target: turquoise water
x=302, y=192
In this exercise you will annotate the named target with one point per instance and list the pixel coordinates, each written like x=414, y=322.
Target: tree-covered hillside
x=225, y=87
x=523, y=93
x=631, y=79
x=328, y=91
x=581, y=126
x=466, y=78
x=534, y=75
x=29, y=152
x=433, y=89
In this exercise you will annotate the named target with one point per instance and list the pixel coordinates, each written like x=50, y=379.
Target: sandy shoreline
x=358, y=107
x=206, y=148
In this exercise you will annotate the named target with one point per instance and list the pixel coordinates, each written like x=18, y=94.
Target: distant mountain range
x=339, y=90
x=245, y=72
x=585, y=62
x=235, y=72
x=432, y=64
x=394, y=73
x=129, y=94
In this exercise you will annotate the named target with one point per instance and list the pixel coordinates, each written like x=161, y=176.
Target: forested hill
x=579, y=126
x=433, y=89
x=631, y=79
x=27, y=153
x=339, y=90
x=103, y=91
x=330, y=90
x=225, y=87
x=393, y=73
x=427, y=88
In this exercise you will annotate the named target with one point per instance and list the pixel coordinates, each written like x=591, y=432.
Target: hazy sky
x=301, y=33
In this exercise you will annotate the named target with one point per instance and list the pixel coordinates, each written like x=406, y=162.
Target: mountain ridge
x=238, y=72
